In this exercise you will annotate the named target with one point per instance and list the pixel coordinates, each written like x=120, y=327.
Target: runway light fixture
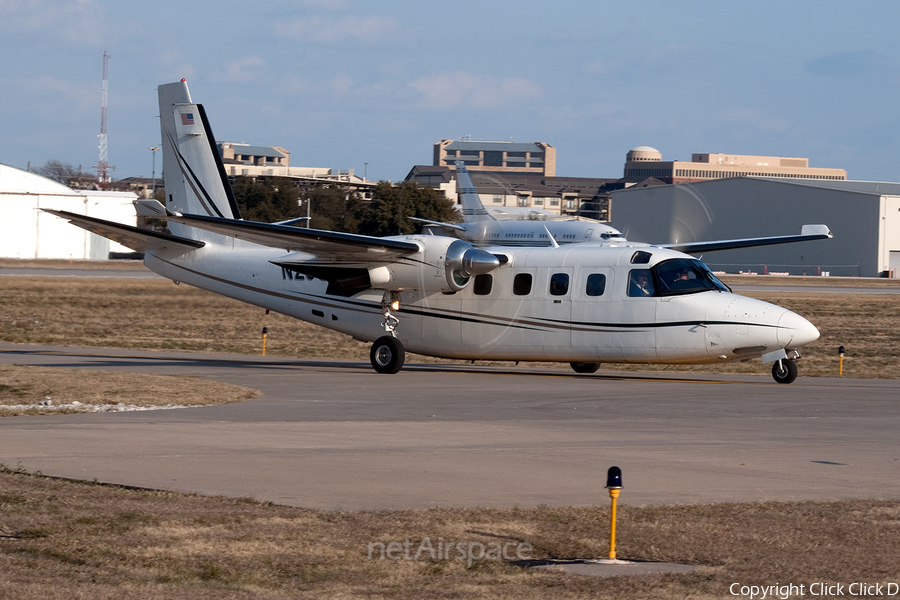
x=614, y=485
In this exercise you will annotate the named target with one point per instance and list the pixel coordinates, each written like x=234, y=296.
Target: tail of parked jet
x=473, y=209
x=195, y=179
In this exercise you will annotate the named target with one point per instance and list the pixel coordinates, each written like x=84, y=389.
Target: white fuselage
x=507, y=322
x=537, y=233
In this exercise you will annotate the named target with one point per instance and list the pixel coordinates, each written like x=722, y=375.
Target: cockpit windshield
x=685, y=276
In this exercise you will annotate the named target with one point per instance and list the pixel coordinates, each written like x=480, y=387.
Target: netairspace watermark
x=467, y=552
x=816, y=590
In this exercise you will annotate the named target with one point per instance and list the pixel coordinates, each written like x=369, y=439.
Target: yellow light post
x=265, y=333
x=841, y=354
x=614, y=485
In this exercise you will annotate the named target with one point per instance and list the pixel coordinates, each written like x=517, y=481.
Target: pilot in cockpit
x=641, y=284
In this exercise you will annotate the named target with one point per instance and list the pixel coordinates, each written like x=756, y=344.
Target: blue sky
x=341, y=83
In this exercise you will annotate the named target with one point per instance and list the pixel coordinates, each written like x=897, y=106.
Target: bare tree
x=58, y=171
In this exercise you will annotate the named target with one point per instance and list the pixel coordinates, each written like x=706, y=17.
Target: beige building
x=243, y=160
x=643, y=162
x=239, y=152
x=497, y=157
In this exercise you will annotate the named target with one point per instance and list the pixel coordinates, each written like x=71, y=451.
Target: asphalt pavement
x=329, y=434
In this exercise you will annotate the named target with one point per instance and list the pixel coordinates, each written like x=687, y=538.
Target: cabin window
x=640, y=283
x=522, y=284
x=559, y=284
x=596, y=284
x=482, y=285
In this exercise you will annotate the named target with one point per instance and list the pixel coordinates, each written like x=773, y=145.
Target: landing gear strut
x=784, y=370
x=387, y=354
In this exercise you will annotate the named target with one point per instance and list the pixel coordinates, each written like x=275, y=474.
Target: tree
x=333, y=208
x=58, y=171
x=266, y=200
x=388, y=212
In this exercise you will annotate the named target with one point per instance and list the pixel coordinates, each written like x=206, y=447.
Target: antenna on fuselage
x=550, y=235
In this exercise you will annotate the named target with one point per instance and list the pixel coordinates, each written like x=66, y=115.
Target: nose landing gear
x=784, y=370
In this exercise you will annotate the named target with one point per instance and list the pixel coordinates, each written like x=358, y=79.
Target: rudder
x=194, y=176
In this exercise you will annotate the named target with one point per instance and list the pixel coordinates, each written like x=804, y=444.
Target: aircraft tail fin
x=473, y=209
x=194, y=176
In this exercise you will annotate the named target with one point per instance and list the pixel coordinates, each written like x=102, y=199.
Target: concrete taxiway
x=328, y=434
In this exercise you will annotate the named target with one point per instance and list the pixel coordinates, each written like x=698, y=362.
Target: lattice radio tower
x=103, y=178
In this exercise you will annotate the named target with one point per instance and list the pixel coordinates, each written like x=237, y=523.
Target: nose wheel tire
x=784, y=370
x=387, y=354
x=584, y=367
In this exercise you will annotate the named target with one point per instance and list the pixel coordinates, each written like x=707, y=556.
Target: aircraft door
x=591, y=309
x=635, y=318
x=554, y=287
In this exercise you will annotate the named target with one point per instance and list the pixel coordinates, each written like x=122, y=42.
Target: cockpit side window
x=640, y=283
x=685, y=276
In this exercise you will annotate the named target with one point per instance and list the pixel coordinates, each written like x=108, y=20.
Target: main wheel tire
x=584, y=367
x=784, y=370
x=387, y=354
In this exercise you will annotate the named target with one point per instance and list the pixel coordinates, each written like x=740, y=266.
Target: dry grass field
x=63, y=540
x=25, y=390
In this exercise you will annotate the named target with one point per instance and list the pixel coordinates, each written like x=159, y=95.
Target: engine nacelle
x=443, y=265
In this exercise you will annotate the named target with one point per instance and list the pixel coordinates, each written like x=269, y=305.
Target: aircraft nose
x=795, y=331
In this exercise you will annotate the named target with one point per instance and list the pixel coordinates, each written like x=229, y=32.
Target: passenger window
x=522, y=284
x=483, y=284
x=559, y=284
x=596, y=284
x=640, y=283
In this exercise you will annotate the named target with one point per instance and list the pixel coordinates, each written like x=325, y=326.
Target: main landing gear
x=584, y=367
x=784, y=370
x=387, y=354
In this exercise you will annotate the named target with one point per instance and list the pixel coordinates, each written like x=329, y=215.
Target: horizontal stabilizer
x=139, y=240
x=807, y=233
x=324, y=244
x=149, y=208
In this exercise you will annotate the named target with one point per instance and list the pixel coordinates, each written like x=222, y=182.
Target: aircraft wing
x=139, y=240
x=807, y=233
x=455, y=226
x=326, y=245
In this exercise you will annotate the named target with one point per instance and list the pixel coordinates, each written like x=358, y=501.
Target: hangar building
x=26, y=232
x=864, y=217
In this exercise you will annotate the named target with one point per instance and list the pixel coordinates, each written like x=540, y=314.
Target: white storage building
x=26, y=232
x=864, y=217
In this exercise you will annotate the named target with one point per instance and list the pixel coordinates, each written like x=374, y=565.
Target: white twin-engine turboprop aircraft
x=584, y=304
